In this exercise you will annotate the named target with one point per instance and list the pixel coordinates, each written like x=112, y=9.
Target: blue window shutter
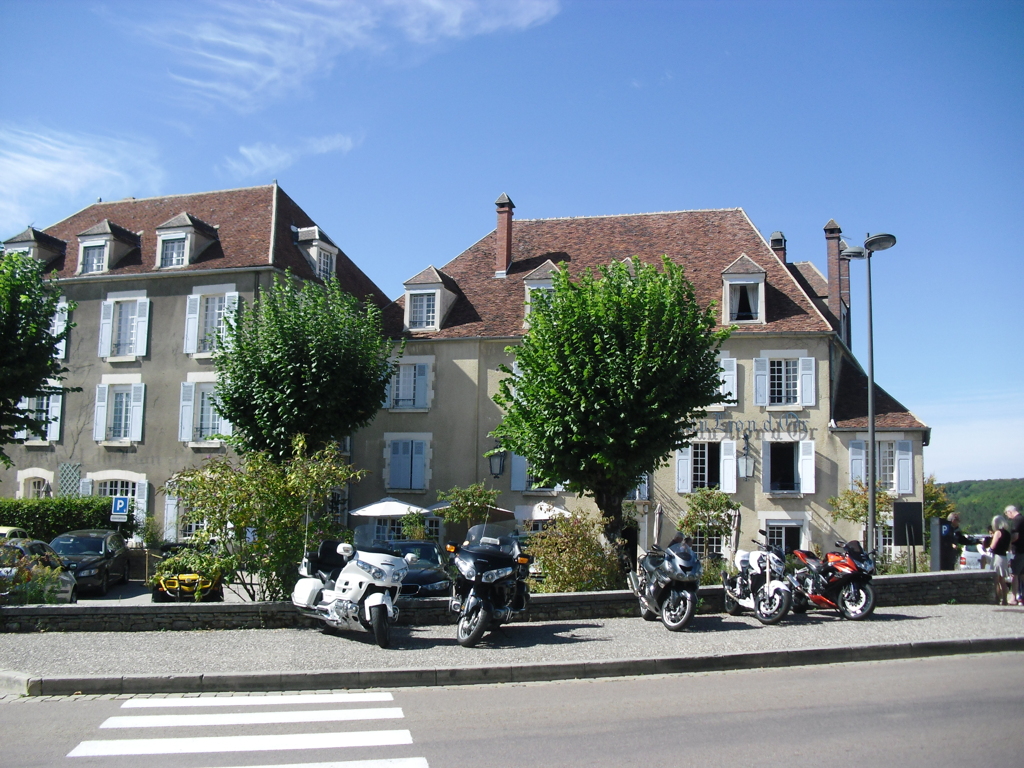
x=186, y=411
x=728, y=388
x=400, y=471
x=192, y=304
x=806, y=367
x=858, y=456
x=60, y=322
x=106, y=328
x=518, y=473
x=99, y=421
x=420, y=396
x=727, y=472
x=766, y=466
x=53, y=428
x=142, y=328
x=138, y=401
x=904, y=466
x=419, y=465
x=171, y=518
x=760, y=381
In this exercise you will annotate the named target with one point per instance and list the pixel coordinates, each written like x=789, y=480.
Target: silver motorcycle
x=760, y=584
x=666, y=583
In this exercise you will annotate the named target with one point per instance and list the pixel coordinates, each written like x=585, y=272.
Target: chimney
x=503, y=249
x=838, y=280
x=778, y=243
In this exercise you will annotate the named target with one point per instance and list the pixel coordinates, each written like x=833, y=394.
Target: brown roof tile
x=850, y=406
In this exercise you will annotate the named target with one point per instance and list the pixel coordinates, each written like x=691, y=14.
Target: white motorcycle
x=760, y=585
x=352, y=587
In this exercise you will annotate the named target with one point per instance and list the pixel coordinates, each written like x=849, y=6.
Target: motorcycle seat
x=327, y=558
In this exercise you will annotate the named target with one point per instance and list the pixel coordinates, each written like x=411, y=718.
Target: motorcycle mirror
x=345, y=549
x=411, y=558
x=763, y=533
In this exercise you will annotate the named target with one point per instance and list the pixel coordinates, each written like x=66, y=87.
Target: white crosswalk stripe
x=278, y=710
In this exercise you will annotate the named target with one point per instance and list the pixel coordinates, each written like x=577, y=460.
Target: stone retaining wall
x=911, y=589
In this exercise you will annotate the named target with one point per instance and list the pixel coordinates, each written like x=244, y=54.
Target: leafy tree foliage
x=978, y=501
x=303, y=360
x=414, y=526
x=573, y=556
x=852, y=504
x=264, y=511
x=610, y=377
x=468, y=505
x=45, y=519
x=28, y=303
x=936, y=502
x=709, y=511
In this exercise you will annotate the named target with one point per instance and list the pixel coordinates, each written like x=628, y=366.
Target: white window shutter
x=760, y=381
x=138, y=401
x=171, y=518
x=728, y=388
x=142, y=328
x=22, y=434
x=419, y=465
x=141, y=504
x=518, y=472
x=192, y=305
x=186, y=411
x=53, y=428
x=60, y=322
x=231, y=299
x=420, y=395
x=805, y=466
x=858, y=455
x=106, y=327
x=808, y=391
x=226, y=427
x=905, y=466
x=99, y=420
x=85, y=487
x=727, y=471
x=766, y=466
x=387, y=393
x=684, y=472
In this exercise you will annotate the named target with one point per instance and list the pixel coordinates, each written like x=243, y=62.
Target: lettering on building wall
x=785, y=426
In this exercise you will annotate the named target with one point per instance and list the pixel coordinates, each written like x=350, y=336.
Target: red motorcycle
x=842, y=580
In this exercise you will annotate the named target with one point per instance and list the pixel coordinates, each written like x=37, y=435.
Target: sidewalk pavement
x=55, y=663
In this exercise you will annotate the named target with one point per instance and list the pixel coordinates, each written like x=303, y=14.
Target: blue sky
x=397, y=123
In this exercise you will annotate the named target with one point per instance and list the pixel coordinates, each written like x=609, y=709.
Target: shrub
x=573, y=556
x=45, y=519
x=24, y=580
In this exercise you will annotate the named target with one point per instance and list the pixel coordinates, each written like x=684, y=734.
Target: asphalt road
x=922, y=712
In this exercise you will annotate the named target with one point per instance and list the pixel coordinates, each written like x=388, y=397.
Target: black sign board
x=908, y=524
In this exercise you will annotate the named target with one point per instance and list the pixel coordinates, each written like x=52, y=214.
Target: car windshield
x=427, y=553
x=78, y=545
x=491, y=535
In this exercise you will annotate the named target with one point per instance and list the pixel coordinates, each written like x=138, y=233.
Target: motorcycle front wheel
x=771, y=607
x=678, y=610
x=856, y=601
x=381, y=626
x=731, y=606
x=471, y=626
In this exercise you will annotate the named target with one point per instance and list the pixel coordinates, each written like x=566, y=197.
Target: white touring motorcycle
x=352, y=587
x=760, y=585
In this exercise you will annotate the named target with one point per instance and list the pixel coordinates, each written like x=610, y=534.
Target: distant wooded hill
x=978, y=501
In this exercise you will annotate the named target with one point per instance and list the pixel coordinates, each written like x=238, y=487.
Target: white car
x=975, y=558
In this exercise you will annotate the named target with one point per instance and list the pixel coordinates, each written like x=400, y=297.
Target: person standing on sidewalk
x=950, y=539
x=1016, y=521
x=998, y=546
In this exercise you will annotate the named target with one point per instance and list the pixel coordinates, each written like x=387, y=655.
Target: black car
x=428, y=575
x=97, y=558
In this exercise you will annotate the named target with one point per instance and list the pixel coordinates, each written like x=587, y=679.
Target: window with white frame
x=204, y=319
x=784, y=534
x=324, y=264
x=124, y=327
x=198, y=419
x=433, y=526
x=47, y=409
x=713, y=543
x=407, y=464
x=886, y=463
x=422, y=310
x=524, y=479
x=788, y=466
x=894, y=465
x=410, y=386
x=744, y=302
x=642, y=492
x=784, y=381
x=94, y=259
x=118, y=412
x=388, y=529
x=706, y=465
x=172, y=252
x=115, y=488
x=37, y=488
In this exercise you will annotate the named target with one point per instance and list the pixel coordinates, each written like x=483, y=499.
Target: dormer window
x=422, y=310
x=743, y=284
x=102, y=246
x=539, y=280
x=320, y=251
x=180, y=240
x=38, y=245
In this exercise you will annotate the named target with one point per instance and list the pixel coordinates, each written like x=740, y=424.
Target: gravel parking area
x=298, y=650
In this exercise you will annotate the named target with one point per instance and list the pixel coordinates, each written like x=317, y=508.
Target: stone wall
x=911, y=589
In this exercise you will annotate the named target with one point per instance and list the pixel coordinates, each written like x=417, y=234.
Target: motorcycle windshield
x=491, y=535
x=367, y=540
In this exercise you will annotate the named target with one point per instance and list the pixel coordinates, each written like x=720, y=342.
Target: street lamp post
x=872, y=243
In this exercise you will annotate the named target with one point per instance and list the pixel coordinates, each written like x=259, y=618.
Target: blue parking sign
x=119, y=509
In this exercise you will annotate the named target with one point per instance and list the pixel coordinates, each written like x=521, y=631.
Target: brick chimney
x=503, y=247
x=838, y=280
x=778, y=243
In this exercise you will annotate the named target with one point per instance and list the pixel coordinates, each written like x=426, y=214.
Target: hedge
x=45, y=519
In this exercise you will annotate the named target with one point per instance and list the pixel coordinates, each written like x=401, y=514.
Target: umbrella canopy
x=539, y=511
x=388, y=507
x=494, y=514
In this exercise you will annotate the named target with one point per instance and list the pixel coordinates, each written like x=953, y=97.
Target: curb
x=21, y=684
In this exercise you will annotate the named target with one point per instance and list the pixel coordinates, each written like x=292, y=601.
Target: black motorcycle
x=491, y=582
x=666, y=583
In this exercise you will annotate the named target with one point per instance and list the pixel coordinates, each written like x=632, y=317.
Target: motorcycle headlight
x=398, y=575
x=370, y=568
x=499, y=573
x=465, y=568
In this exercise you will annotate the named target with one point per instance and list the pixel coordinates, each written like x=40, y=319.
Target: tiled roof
x=428, y=276
x=186, y=219
x=703, y=242
x=811, y=278
x=249, y=234
x=744, y=265
x=850, y=405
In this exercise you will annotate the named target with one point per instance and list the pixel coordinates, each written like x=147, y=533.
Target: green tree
x=306, y=360
x=936, y=502
x=414, y=526
x=28, y=304
x=852, y=504
x=709, y=511
x=468, y=505
x=611, y=376
x=264, y=511
x=572, y=556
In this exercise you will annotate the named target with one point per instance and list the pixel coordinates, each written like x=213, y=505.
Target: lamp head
x=854, y=252
x=880, y=242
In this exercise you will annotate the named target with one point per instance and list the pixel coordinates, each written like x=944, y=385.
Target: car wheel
x=74, y=595
x=104, y=583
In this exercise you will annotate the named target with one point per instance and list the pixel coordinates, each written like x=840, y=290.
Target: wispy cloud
x=262, y=158
x=45, y=172
x=242, y=53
